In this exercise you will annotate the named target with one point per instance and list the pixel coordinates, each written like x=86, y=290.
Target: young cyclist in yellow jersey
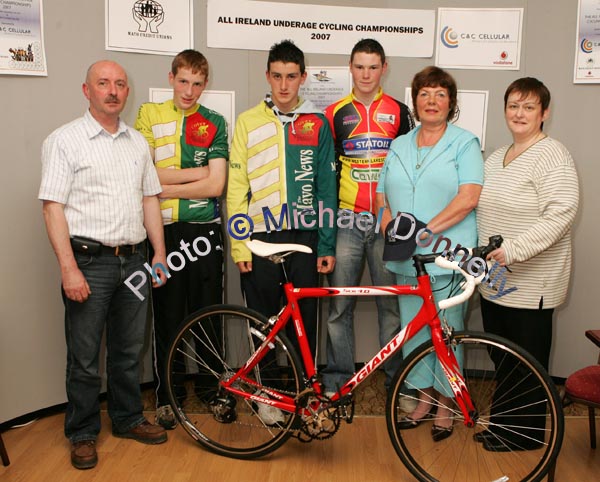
x=189, y=145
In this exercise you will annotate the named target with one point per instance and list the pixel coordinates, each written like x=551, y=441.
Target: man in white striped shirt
x=99, y=188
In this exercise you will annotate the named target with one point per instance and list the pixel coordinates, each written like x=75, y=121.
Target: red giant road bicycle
x=240, y=388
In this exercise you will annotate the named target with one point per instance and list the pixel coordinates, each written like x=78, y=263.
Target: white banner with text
x=248, y=25
x=479, y=38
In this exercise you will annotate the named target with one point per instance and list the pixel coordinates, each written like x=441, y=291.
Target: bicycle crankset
x=323, y=421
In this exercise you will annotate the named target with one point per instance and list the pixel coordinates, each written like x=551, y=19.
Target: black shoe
x=406, y=423
x=440, y=433
x=500, y=445
x=482, y=436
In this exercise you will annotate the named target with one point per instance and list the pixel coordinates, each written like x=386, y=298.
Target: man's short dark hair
x=286, y=52
x=368, y=46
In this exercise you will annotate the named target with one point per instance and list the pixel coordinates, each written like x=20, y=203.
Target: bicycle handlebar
x=468, y=286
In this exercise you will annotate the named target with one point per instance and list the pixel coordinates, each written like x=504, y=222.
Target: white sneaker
x=407, y=404
x=267, y=413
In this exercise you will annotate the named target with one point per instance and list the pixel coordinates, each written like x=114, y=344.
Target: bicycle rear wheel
x=209, y=348
x=518, y=408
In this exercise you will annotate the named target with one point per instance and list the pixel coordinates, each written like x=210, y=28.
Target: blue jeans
x=353, y=246
x=111, y=305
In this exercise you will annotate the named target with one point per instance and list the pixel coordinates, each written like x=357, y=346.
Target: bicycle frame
x=427, y=316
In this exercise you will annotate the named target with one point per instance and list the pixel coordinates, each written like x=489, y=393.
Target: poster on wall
x=22, y=38
x=479, y=38
x=241, y=24
x=587, y=48
x=161, y=27
x=324, y=85
x=221, y=101
x=473, y=105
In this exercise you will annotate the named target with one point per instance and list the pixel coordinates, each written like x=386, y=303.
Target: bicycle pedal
x=348, y=412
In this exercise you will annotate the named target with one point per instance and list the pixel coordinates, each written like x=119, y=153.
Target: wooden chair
x=583, y=387
x=3, y=453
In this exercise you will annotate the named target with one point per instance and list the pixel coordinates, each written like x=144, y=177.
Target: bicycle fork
x=449, y=363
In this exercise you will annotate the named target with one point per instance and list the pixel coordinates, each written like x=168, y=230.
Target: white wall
x=32, y=350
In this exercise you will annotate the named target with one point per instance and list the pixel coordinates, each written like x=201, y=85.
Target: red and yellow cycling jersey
x=362, y=136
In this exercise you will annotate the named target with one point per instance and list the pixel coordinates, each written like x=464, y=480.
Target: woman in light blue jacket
x=434, y=172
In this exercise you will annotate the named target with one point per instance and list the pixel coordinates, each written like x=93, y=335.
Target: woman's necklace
x=420, y=161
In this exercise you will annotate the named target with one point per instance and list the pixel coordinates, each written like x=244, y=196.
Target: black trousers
x=517, y=401
x=262, y=287
x=199, y=283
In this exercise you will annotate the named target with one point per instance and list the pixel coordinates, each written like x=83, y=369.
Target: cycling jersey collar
x=378, y=96
x=186, y=112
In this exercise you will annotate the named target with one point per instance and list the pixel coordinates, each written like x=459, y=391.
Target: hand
x=497, y=255
x=156, y=21
x=325, y=264
x=425, y=235
x=141, y=21
x=244, y=266
x=162, y=276
x=75, y=286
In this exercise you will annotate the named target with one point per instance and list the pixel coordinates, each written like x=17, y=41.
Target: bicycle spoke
x=200, y=361
x=518, y=408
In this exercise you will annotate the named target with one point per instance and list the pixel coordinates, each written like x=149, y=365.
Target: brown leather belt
x=125, y=250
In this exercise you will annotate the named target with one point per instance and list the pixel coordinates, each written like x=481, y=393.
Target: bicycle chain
x=303, y=429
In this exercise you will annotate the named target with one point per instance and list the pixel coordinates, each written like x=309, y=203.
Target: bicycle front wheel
x=209, y=348
x=519, y=426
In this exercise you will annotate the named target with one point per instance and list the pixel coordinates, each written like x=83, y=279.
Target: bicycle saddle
x=260, y=248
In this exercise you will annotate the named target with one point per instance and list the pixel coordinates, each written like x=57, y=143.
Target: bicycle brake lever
x=494, y=243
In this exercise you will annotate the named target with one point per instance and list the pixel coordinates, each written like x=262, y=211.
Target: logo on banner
x=586, y=46
x=449, y=37
x=322, y=76
x=148, y=14
x=21, y=55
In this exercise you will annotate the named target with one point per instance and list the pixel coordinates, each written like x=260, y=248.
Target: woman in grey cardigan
x=530, y=197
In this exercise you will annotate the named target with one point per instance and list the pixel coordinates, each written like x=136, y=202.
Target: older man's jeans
x=353, y=245
x=111, y=305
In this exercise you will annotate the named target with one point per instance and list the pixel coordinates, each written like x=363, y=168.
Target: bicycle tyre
x=460, y=457
x=210, y=346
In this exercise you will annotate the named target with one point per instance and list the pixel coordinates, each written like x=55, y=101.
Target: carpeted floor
x=370, y=398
